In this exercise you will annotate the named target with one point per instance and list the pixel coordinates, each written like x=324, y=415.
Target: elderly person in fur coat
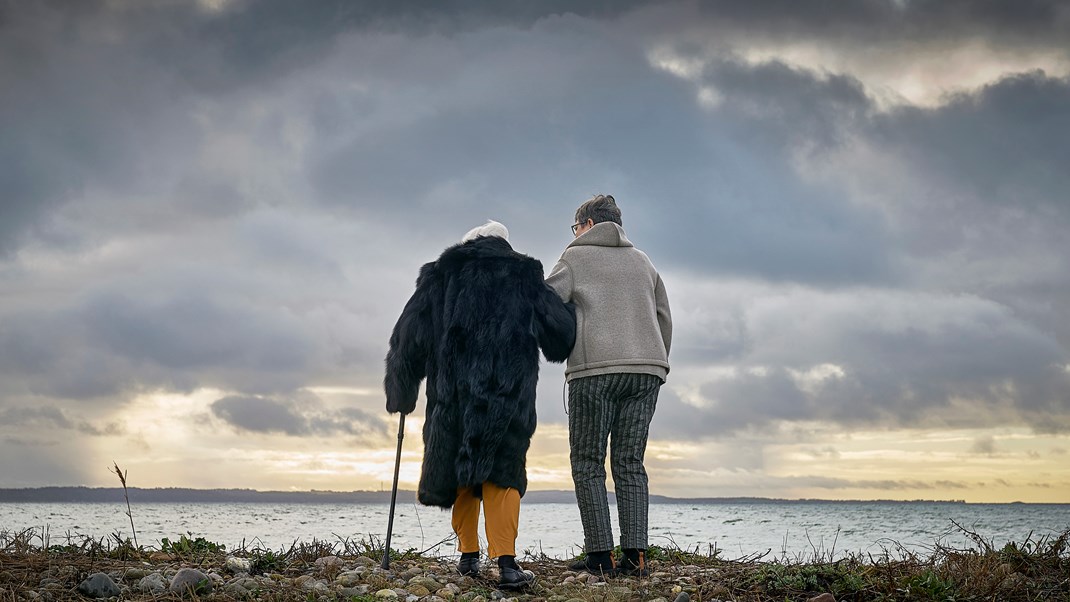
x=474, y=328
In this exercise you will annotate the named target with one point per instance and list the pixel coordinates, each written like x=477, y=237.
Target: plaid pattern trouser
x=618, y=406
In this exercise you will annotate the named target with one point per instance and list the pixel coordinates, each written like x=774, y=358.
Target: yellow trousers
x=502, y=509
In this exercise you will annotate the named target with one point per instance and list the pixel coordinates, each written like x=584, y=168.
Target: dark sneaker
x=469, y=567
x=514, y=579
x=633, y=563
x=596, y=563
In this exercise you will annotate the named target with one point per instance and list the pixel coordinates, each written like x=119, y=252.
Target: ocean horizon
x=769, y=529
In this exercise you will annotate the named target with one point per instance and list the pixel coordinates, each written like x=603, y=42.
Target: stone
x=569, y=579
x=328, y=562
x=496, y=595
x=239, y=565
x=190, y=581
x=683, y=597
x=445, y=593
x=354, y=592
x=153, y=583
x=386, y=594
x=825, y=597
x=453, y=587
x=136, y=573
x=99, y=585
x=426, y=582
x=348, y=579
x=412, y=598
x=316, y=585
x=418, y=590
x=676, y=589
x=659, y=600
x=577, y=600
x=365, y=561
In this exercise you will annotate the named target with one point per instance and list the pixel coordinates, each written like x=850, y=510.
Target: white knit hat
x=491, y=228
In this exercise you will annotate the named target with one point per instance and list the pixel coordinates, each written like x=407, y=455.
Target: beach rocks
x=99, y=585
x=191, y=581
x=329, y=563
x=153, y=583
x=239, y=565
x=426, y=582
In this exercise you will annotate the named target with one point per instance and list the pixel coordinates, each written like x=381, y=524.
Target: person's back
x=474, y=327
x=622, y=316
x=614, y=373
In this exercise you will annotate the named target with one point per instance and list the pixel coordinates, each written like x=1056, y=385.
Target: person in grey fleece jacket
x=614, y=374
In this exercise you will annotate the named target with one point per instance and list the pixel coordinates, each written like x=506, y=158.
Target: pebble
x=418, y=590
x=328, y=562
x=682, y=597
x=239, y=565
x=153, y=583
x=99, y=585
x=426, y=582
x=136, y=573
x=188, y=581
x=386, y=594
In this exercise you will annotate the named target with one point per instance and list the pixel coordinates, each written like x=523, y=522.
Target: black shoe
x=514, y=578
x=633, y=563
x=469, y=565
x=596, y=563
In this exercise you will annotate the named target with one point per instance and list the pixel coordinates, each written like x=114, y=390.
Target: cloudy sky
x=211, y=214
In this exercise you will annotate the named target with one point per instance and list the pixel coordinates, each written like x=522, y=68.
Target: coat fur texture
x=474, y=328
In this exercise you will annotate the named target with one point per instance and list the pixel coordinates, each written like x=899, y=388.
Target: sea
x=799, y=531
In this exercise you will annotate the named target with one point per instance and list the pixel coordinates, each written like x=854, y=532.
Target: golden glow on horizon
x=187, y=447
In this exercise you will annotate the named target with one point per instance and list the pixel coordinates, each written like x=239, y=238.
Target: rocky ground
x=359, y=578
x=1034, y=570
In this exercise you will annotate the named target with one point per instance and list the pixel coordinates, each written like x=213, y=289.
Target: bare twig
x=129, y=513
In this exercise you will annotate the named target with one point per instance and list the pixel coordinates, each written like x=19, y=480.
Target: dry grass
x=1037, y=569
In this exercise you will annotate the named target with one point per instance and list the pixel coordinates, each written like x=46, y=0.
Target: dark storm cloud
x=883, y=361
x=115, y=345
x=264, y=415
x=917, y=21
x=1004, y=144
x=52, y=419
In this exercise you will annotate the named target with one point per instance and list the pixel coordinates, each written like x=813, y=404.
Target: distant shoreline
x=187, y=495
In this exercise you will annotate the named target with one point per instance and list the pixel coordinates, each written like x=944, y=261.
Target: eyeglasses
x=575, y=227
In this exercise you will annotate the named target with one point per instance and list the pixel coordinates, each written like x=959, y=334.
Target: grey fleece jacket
x=623, y=322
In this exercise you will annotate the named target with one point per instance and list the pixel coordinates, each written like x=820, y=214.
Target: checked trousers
x=613, y=409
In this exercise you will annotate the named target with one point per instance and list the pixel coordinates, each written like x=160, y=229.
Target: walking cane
x=394, y=493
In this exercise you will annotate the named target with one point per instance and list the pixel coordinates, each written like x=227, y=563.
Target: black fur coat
x=474, y=328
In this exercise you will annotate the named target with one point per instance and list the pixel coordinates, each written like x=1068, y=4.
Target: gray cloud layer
x=239, y=199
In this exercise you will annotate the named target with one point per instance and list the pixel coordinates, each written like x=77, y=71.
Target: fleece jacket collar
x=604, y=234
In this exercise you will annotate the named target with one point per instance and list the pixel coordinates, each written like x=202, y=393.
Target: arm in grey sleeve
x=560, y=279
x=664, y=316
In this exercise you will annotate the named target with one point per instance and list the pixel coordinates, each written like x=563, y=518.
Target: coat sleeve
x=410, y=343
x=555, y=324
x=560, y=279
x=661, y=298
